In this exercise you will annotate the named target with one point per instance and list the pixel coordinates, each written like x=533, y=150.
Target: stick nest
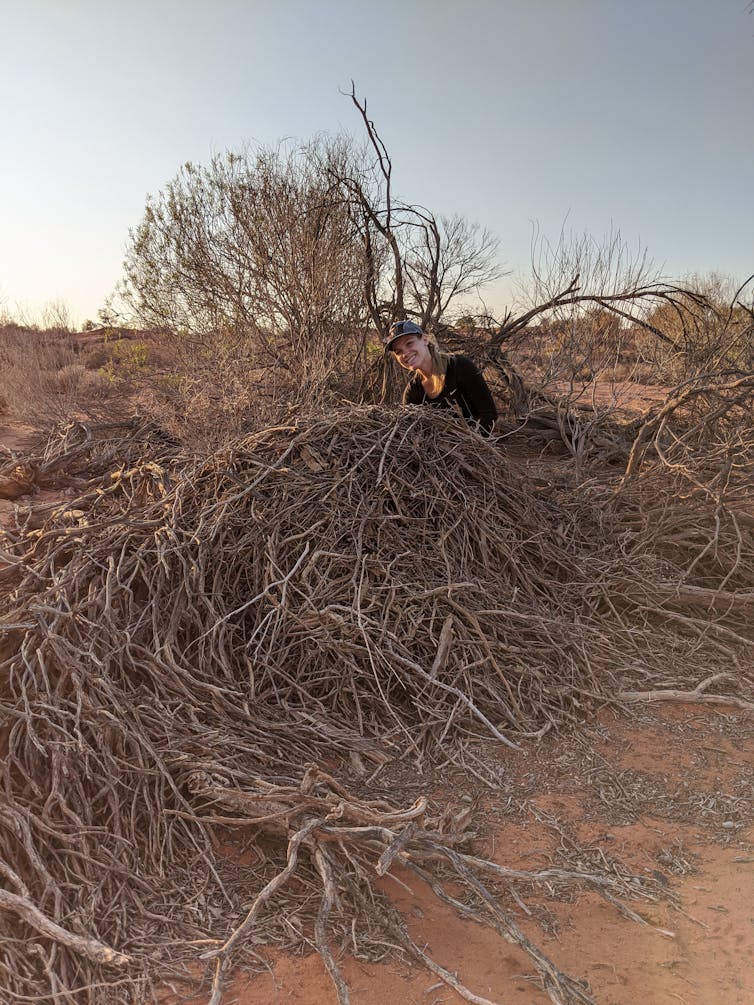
x=197, y=648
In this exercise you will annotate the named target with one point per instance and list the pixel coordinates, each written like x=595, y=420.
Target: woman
x=441, y=379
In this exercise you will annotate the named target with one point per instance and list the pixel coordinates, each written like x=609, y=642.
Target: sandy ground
x=14, y=436
x=668, y=793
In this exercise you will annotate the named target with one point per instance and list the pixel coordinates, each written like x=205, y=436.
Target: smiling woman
x=440, y=379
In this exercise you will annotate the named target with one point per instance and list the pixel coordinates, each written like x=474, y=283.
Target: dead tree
x=417, y=264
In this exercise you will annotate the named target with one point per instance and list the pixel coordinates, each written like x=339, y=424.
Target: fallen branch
x=92, y=949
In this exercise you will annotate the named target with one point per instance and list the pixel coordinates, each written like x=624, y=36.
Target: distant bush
x=707, y=328
x=43, y=381
x=97, y=358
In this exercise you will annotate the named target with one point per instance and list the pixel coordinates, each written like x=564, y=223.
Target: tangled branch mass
x=244, y=644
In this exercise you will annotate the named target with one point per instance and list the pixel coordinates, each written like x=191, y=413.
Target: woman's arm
x=413, y=393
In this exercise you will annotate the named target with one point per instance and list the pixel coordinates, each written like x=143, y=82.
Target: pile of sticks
x=197, y=648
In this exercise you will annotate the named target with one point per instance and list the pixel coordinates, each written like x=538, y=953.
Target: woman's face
x=412, y=352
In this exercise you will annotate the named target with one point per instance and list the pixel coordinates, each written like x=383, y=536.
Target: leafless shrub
x=594, y=320
x=581, y=306
x=417, y=264
x=56, y=317
x=710, y=328
x=604, y=304
x=689, y=476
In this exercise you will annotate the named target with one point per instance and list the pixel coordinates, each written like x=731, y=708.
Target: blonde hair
x=439, y=359
x=439, y=368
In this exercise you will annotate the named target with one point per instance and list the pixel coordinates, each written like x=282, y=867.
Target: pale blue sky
x=635, y=114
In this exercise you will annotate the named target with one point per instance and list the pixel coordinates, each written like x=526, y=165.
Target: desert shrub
x=605, y=316
x=206, y=394
x=706, y=328
x=97, y=358
x=130, y=354
x=75, y=382
x=582, y=305
x=253, y=259
x=42, y=380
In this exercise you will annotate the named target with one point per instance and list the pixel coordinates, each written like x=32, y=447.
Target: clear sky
x=518, y=114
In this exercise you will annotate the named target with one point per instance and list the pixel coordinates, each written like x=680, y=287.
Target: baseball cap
x=400, y=328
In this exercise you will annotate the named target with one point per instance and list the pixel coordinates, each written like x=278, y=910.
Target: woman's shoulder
x=462, y=363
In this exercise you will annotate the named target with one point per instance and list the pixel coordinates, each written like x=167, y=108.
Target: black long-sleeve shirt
x=465, y=391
